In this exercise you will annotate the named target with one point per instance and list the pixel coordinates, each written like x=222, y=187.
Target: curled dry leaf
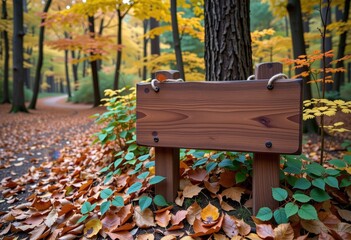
x=313, y=226
x=37, y=232
x=179, y=217
x=144, y=219
x=233, y=193
x=345, y=214
x=212, y=187
x=125, y=235
x=201, y=230
x=163, y=218
x=169, y=237
x=209, y=214
x=191, y=190
x=284, y=232
x=264, y=231
x=193, y=212
x=198, y=175
x=51, y=218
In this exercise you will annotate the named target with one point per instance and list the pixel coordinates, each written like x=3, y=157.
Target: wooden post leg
x=265, y=177
x=167, y=165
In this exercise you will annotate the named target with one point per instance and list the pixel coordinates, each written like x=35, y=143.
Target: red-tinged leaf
x=125, y=213
x=144, y=219
x=193, y=212
x=244, y=228
x=176, y=227
x=85, y=185
x=345, y=214
x=227, y=179
x=51, y=218
x=37, y=232
x=125, y=227
x=264, y=231
x=125, y=235
x=212, y=187
x=191, y=190
x=284, y=232
x=35, y=220
x=145, y=236
x=40, y=205
x=313, y=226
x=200, y=230
x=66, y=209
x=233, y=193
x=229, y=226
x=163, y=218
x=198, y=175
x=179, y=217
x=110, y=221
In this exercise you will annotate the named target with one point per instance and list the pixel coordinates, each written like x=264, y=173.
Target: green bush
x=85, y=92
x=28, y=93
x=345, y=91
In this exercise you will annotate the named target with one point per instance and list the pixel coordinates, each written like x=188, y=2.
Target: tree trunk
x=328, y=44
x=68, y=82
x=74, y=70
x=339, y=77
x=145, y=41
x=119, y=52
x=17, y=56
x=6, y=95
x=36, y=87
x=295, y=16
x=94, y=67
x=176, y=39
x=228, y=53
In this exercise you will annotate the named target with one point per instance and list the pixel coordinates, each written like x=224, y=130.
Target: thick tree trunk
x=119, y=52
x=36, y=87
x=228, y=53
x=339, y=77
x=328, y=44
x=6, y=95
x=176, y=39
x=295, y=16
x=18, y=104
x=94, y=67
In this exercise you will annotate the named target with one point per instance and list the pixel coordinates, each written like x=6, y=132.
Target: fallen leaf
x=145, y=236
x=37, y=232
x=191, y=190
x=51, y=218
x=227, y=179
x=209, y=214
x=212, y=187
x=219, y=237
x=125, y=213
x=169, y=237
x=198, y=175
x=125, y=235
x=110, y=221
x=244, y=228
x=313, y=226
x=233, y=193
x=229, y=226
x=41, y=205
x=283, y=232
x=193, y=212
x=179, y=217
x=92, y=227
x=144, y=219
x=264, y=231
x=345, y=214
x=163, y=218
x=200, y=230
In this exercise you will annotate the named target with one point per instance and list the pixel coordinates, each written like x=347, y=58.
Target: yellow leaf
x=346, y=110
x=191, y=191
x=210, y=213
x=329, y=113
x=348, y=170
x=92, y=227
x=337, y=124
x=339, y=102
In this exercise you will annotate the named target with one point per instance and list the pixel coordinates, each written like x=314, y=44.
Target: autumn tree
x=17, y=56
x=6, y=95
x=94, y=65
x=227, y=40
x=39, y=65
x=176, y=39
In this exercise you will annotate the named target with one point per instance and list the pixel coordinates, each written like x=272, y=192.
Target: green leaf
x=300, y=197
x=240, y=177
x=105, y=169
x=129, y=156
x=319, y=195
x=332, y=181
x=108, y=177
x=150, y=164
x=118, y=201
x=226, y=163
x=106, y=193
x=143, y=175
x=159, y=200
x=117, y=162
x=315, y=169
x=210, y=166
x=86, y=207
x=291, y=179
x=217, y=155
x=332, y=171
x=345, y=182
x=292, y=170
x=198, y=154
x=280, y=216
x=144, y=157
x=338, y=163
x=82, y=219
x=102, y=136
x=319, y=183
x=290, y=209
x=347, y=158
x=279, y=194
x=200, y=162
x=302, y=183
x=307, y=212
x=132, y=147
x=144, y=202
x=156, y=179
x=105, y=206
x=264, y=214
x=134, y=187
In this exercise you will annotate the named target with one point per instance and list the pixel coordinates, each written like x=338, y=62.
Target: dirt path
x=26, y=140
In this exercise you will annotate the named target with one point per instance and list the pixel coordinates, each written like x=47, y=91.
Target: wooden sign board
x=226, y=115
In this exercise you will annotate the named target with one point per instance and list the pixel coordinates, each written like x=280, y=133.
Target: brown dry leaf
x=175, y=227
x=253, y=236
x=163, y=209
x=209, y=214
x=212, y=187
x=6, y=230
x=37, y=232
x=51, y=218
x=264, y=230
x=191, y=191
x=144, y=219
x=85, y=185
x=345, y=214
x=92, y=227
x=325, y=236
x=163, y=218
x=227, y=179
x=229, y=226
x=304, y=237
x=125, y=213
x=187, y=238
x=244, y=228
x=224, y=205
x=200, y=230
x=169, y=237
x=193, y=212
x=66, y=208
x=313, y=226
x=145, y=236
x=180, y=199
x=125, y=227
x=110, y=221
x=198, y=175
x=125, y=235
x=34, y=220
x=179, y=217
x=40, y=205
x=233, y=193
x=284, y=232
x=219, y=237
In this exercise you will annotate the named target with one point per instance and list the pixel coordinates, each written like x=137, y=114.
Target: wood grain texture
x=235, y=115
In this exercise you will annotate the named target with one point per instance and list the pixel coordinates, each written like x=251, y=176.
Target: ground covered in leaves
x=52, y=176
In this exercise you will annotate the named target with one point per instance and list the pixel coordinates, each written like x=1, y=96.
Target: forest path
x=27, y=140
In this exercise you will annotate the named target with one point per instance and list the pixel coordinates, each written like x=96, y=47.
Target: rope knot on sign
x=156, y=88
x=275, y=77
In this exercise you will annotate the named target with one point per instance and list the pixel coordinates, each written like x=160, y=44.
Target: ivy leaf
x=280, y=216
x=240, y=177
x=302, y=183
x=290, y=209
x=200, y=162
x=144, y=202
x=338, y=163
x=129, y=156
x=319, y=183
x=332, y=181
x=118, y=201
x=134, y=187
x=159, y=200
x=87, y=207
x=106, y=193
x=264, y=214
x=210, y=166
x=156, y=179
x=307, y=212
x=143, y=175
x=279, y=194
x=319, y=195
x=105, y=206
